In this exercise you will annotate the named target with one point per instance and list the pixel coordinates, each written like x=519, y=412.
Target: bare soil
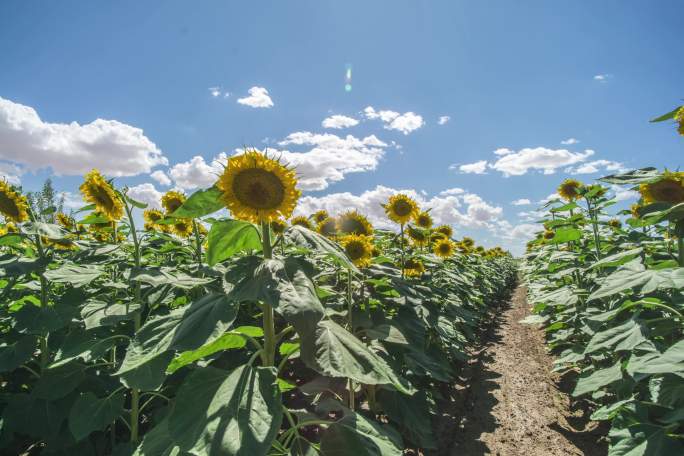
x=511, y=403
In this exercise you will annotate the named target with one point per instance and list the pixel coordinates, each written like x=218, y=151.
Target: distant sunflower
x=434, y=237
x=98, y=191
x=549, y=234
x=446, y=230
x=569, y=188
x=400, y=208
x=634, y=209
x=413, y=268
x=182, y=227
x=149, y=226
x=152, y=216
x=358, y=248
x=479, y=249
x=327, y=227
x=351, y=222
x=669, y=188
x=65, y=221
x=257, y=188
x=418, y=237
x=319, y=216
x=301, y=221
x=679, y=117
x=13, y=205
x=467, y=242
x=278, y=226
x=614, y=223
x=423, y=220
x=11, y=227
x=172, y=200
x=444, y=248
x=59, y=244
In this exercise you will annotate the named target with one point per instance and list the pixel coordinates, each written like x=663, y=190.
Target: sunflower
x=150, y=226
x=172, y=200
x=479, y=249
x=358, y=248
x=59, y=244
x=413, y=268
x=98, y=191
x=569, y=189
x=65, y=221
x=467, y=242
x=668, y=189
x=634, y=209
x=11, y=227
x=423, y=220
x=278, y=226
x=182, y=227
x=13, y=205
x=444, y=248
x=614, y=223
x=257, y=188
x=351, y=222
x=446, y=230
x=418, y=236
x=327, y=227
x=549, y=234
x=679, y=117
x=301, y=221
x=462, y=247
x=400, y=208
x=434, y=237
x=319, y=216
x=201, y=229
x=152, y=216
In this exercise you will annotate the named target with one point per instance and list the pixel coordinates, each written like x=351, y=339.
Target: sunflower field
x=609, y=295
x=267, y=334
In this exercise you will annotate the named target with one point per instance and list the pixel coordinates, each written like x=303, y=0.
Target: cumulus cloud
x=603, y=77
x=339, y=121
x=538, y=158
x=443, y=120
x=161, y=177
x=10, y=173
x=479, y=167
x=524, y=231
x=197, y=173
x=569, y=141
x=258, y=98
x=595, y=166
x=624, y=194
x=405, y=123
x=146, y=193
x=115, y=148
x=521, y=202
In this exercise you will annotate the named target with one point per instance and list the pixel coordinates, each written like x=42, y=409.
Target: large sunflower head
x=13, y=205
x=669, y=188
x=423, y=220
x=172, y=200
x=327, y=227
x=444, y=248
x=419, y=237
x=182, y=227
x=569, y=189
x=401, y=208
x=413, y=268
x=257, y=188
x=301, y=221
x=278, y=226
x=96, y=190
x=319, y=216
x=65, y=221
x=358, y=248
x=446, y=230
x=351, y=222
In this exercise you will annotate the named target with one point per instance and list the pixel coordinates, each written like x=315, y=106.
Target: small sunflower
x=13, y=205
x=634, y=209
x=358, y=248
x=351, y=222
x=65, y=221
x=59, y=244
x=467, y=242
x=614, y=223
x=150, y=226
x=423, y=220
x=679, y=117
x=172, y=200
x=434, y=237
x=152, y=216
x=319, y=216
x=446, y=230
x=400, y=208
x=479, y=249
x=257, y=188
x=413, y=268
x=668, y=189
x=182, y=227
x=569, y=189
x=301, y=221
x=11, y=227
x=97, y=190
x=278, y=226
x=327, y=227
x=418, y=237
x=444, y=248
x=549, y=234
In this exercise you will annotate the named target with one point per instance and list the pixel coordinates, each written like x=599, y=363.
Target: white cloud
x=603, y=77
x=215, y=91
x=72, y=200
x=503, y=151
x=443, y=120
x=595, y=166
x=115, y=148
x=10, y=173
x=258, y=98
x=624, y=194
x=405, y=123
x=539, y=158
x=196, y=172
x=521, y=202
x=529, y=216
x=524, y=231
x=339, y=121
x=479, y=167
x=161, y=177
x=570, y=141
x=146, y=193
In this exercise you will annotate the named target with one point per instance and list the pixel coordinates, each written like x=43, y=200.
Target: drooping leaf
x=200, y=203
x=228, y=237
x=13, y=355
x=355, y=435
x=74, y=274
x=90, y=413
x=597, y=379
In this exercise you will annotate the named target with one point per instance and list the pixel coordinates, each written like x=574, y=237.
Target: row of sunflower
x=258, y=334
x=608, y=291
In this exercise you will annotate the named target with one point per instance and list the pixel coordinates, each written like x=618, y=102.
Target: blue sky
x=514, y=77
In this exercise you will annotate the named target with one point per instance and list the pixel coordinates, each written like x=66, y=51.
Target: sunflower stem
x=198, y=244
x=44, y=297
x=401, y=242
x=680, y=248
x=268, y=353
x=350, y=319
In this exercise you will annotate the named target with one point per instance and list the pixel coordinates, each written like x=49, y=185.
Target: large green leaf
x=634, y=275
x=625, y=336
x=90, y=413
x=355, y=435
x=100, y=313
x=57, y=382
x=671, y=360
x=618, y=258
x=313, y=241
x=158, y=442
x=562, y=235
x=40, y=418
x=644, y=439
x=236, y=413
x=228, y=237
x=74, y=274
x=15, y=354
x=168, y=276
x=200, y=203
x=412, y=413
x=593, y=381
x=635, y=176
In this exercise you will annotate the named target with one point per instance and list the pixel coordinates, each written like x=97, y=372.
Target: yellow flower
x=413, y=268
x=400, y=208
x=351, y=222
x=634, y=209
x=668, y=189
x=679, y=117
x=446, y=230
x=444, y=248
x=13, y=205
x=568, y=189
x=172, y=200
x=319, y=216
x=423, y=220
x=98, y=191
x=301, y=221
x=11, y=227
x=418, y=236
x=614, y=223
x=479, y=249
x=358, y=248
x=257, y=188
x=152, y=216
x=549, y=234
x=327, y=227
x=182, y=227
x=467, y=242
x=278, y=226
x=150, y=226
x=59, y=244
x=64, y=220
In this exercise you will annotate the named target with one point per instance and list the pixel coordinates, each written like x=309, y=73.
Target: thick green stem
x=268, y=352
x=198, y=243
x=401, y=241
x=680, y=248
x=44, y=299
x=594, y=225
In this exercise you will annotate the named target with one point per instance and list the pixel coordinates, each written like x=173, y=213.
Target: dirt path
x=514, y=405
